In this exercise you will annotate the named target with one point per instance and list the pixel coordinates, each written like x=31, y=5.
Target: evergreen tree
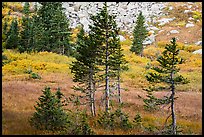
x=26, y=42
x=118, y=64
x=49, y=113
x=52, y=29
x=104, y=33
x=84, y=68
x=139, y=34
x=12, y=35
x=4, y=32
x=167, y=73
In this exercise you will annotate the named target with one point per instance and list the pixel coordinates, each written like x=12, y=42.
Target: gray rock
x=187, y=11
x=121, y=38
x=199, y=43
x=189, y=25
x=190, y=18
x=76, y=7
x=163, y=21
x=198, y=51
x=85, y=22
x=149, y=40
x=174, y=31
x=126, y=14
x=153, y=28
x=171, y=8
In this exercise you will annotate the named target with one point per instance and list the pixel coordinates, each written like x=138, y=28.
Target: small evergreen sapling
x=166, y=73
x=49, y=113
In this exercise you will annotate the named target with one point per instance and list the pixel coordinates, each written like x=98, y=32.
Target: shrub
x=162, y=44
x=137, y=120
x=191, y=48
x=126, y=42
x=49, y=113
x=113, y=120
x=28, y=71
x=35, y=75
x=78, y=124
x=44, y=62
x=197, y=15
x=152, y=52
x=5, y=60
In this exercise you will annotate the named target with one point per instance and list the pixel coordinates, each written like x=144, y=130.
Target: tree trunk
x=94, y=105
x=63, y=49
x=91, y=92
x=107, y=90
x=172, y=106
x=118, y=84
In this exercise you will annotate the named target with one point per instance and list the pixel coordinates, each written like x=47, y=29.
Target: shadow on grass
x=16, y=123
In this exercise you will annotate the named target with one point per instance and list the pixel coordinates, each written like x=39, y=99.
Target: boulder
x=190, y=18
x=163, y=21
x=171, y=8
x=126, y=13
x=198, y=51
x=153, y=28
x=189, y=25
x=121, y=38
x=85, y=22
x=149, y=40
x=187, y=11
x=199, y=43
x=174, y=31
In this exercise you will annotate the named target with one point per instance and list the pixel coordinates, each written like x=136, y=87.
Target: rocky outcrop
x=126, y=13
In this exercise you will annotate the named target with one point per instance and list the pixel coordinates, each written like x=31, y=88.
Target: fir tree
x=118, y=64
x=84, y=68
x=4, y=32
x=26, y=42
x=52, y=29
x=104, y=33
x=167, y=73
x=139, y=34
x=49, y=113
x=12, y=35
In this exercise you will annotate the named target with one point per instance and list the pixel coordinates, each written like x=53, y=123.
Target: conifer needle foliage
x=166, y=73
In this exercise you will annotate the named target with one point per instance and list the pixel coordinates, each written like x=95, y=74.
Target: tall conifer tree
x=52, y=29
x=139, y=34
x=104, y=32
x=26, y=42
x=85, y=68
x=12, y=35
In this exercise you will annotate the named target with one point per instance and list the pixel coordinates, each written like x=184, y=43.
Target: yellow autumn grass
x=43, y=62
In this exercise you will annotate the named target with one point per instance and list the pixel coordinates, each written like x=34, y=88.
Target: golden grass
x=17, y=112
x=191, y=48
x=43, y=62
